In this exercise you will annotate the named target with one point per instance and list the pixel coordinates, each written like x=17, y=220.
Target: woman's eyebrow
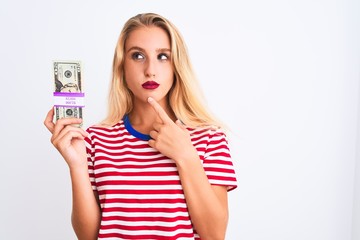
x=163, y=50
x=136, y=48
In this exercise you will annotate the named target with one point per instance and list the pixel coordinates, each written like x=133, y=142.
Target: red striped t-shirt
x=140, y=192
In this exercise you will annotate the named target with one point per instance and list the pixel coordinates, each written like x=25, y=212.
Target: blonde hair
x=185, y=97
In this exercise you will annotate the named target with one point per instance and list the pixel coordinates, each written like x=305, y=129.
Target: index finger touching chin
x=159, y=110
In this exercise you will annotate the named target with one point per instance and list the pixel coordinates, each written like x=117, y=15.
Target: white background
x=284, y=76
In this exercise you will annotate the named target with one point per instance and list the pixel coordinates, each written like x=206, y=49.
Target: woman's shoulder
x=103, y=128
x=208, y=130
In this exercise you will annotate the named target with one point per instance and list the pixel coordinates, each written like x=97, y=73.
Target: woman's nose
x=150, y=68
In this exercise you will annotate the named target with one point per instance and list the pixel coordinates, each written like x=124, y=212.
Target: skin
x=69, y=141
x=147, y=58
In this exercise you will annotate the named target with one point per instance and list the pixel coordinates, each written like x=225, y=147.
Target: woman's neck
x=143, y=116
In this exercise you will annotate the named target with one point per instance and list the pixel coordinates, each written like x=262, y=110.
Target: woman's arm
x=207, y=204
x=69, y=141
x=86, y=214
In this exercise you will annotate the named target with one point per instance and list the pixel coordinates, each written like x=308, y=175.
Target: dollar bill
x=68, y=91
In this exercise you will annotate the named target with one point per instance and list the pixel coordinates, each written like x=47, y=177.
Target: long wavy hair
x=185, y=98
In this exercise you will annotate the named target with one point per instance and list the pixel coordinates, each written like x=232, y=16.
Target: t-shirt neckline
x=133, y=132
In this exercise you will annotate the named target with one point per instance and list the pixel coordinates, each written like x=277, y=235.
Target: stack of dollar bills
x=68, y=93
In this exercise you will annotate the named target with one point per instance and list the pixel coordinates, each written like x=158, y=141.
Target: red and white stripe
x=140, y=191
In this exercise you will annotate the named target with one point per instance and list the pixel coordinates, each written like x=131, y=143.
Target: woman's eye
x=163, y=56
x=137, y=56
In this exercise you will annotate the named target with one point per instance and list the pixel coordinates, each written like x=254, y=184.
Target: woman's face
x=147, y=67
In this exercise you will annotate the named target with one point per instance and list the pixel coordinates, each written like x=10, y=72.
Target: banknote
x=68, y=89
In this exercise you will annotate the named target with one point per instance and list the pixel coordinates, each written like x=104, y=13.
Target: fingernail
x=150, y=99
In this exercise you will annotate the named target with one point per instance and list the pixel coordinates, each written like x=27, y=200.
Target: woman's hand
x=67, y=139
x=171, y=139
x=207, y=204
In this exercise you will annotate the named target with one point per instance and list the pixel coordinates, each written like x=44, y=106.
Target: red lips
x=150, y=85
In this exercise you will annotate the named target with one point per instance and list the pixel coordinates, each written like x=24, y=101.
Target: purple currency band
x=69, y=94
x=68, y=99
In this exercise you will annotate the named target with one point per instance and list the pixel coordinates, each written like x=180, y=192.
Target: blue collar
x=133, y=132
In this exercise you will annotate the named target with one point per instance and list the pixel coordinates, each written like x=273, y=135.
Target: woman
x=158, y=167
